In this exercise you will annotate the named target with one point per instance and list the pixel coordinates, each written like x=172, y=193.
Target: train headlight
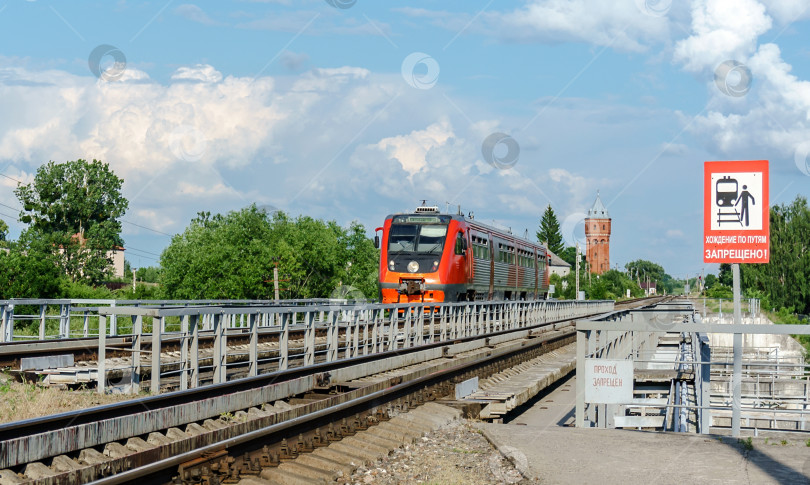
x=413, y=266
x=391, y=265
x=435, y=266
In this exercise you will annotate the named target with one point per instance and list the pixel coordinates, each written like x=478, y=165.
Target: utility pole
x=702, y=278
x=576, y=263
x=134, y=271
x=275, y=280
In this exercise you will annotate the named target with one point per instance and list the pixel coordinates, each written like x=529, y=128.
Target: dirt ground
x=457, y=454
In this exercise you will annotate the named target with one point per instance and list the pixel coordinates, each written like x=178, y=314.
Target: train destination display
x=736, y=212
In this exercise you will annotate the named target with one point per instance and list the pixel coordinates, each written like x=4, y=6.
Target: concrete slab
x=554, y=454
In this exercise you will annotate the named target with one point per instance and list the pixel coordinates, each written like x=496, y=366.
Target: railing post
x=220, y=347
x=253, y=323
x=582, y=349
x=137, y=338
x=366, y=316
x=64, y=320
x=420, y=326
x=377, y=315
x=284, y=339
x=8, y=323
x=705, y=384
x=408, y=326
x=443, y=323
x=102, y=354
x=114, y=322
x=355, y=323
x=393, y=325
x=157, y=325
x=194, y=352
x=431, y=325
x=42, y=309
x=309, y=338
x=332, y=342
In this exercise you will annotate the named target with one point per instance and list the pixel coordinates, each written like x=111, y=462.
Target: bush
x=720, y=291
x=77, y=290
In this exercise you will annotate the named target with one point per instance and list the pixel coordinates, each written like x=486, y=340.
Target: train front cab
x=424, y=258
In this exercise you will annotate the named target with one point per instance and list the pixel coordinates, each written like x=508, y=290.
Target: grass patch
x=747, y=444
x=465, y=452
x=20, y=401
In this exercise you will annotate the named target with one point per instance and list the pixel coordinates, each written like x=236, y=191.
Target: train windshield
x=724, y=186
x=417, y=238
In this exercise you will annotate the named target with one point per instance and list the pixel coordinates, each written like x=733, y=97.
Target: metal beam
x=643, y=326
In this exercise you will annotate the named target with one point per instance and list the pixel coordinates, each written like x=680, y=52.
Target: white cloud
x=621, y=25
x=194, y=13
x=411, y=150
x=772, y=118
x=786, y=11
x=722, y=30
x=200, y=72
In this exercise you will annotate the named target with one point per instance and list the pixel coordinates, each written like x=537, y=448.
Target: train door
x=470, y=261
x=461, y=261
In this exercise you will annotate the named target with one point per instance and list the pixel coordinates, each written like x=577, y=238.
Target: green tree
x=569, y=255
x=643, y=271
x=711, y=280
x=233, y=256
x=76, y=206
x=29, y=270
x=550, y=231
x=786, y=279
x=3, y=231
x=149, y=274
x=725, y=277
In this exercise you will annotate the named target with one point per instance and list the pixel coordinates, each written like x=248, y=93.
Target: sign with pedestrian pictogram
x=736, y=212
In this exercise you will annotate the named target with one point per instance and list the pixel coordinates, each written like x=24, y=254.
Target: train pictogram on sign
x=736, y=209
x=733, y=204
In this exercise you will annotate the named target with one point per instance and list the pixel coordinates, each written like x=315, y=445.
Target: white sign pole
x=736, y=378
x=576, y=265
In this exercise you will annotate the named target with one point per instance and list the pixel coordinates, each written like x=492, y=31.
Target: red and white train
x=434, y=257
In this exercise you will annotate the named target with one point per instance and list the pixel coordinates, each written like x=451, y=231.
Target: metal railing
x=27, y=319
x=627, y=336
x=330, y=332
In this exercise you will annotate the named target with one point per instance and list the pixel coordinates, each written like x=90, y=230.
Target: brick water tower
x=597, y=234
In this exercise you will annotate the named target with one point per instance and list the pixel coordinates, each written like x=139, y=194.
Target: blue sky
x=306, y=107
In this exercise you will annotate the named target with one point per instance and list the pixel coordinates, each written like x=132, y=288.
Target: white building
x=558, y=266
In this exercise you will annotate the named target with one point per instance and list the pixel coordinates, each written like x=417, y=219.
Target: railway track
x=255, y=427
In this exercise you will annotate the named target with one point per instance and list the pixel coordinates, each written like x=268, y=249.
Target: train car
x=433, y=257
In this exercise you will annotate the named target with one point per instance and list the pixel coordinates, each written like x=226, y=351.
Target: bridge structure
x=190, y=343
x=682, y=380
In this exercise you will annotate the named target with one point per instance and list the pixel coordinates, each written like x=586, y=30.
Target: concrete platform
x=544, y=446
x=570, y=455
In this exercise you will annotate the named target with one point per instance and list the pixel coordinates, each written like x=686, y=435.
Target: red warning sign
x=736, y=219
